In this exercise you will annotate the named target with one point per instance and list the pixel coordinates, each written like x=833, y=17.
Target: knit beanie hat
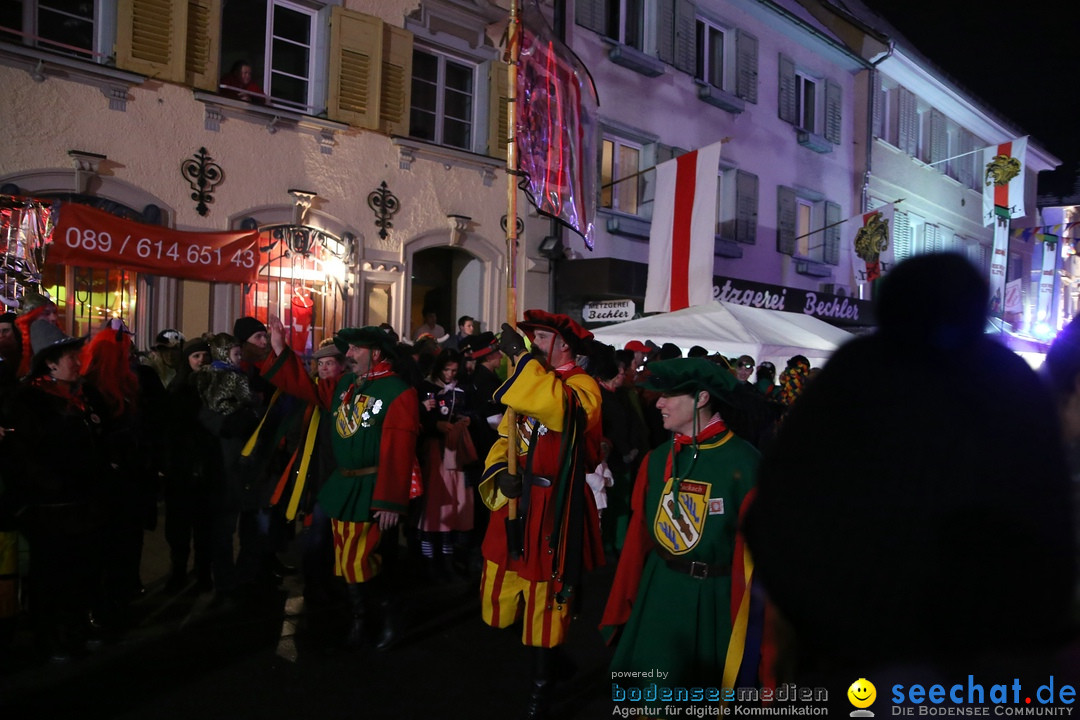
x=195, y=345
x=245, y=327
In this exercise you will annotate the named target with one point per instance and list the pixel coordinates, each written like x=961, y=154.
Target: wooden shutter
x=831, y=252
x=665, y=30
x=901, y=236
x=499, y=109
x=746, y=66
x=933, y=239
x=834, y=103
x=150, y=37
x=785, y=220
x=395, y=96
x=592, y=14
x=746, y=200
x=787, y=102
x=908, y=121
x=979, y=255
x=939, y=139
x=203, y=44
x=686, y=49
x=356, y=53
x=965, y=166
x=878, y=95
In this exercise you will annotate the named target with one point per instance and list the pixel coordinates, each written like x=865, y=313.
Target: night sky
x=1018, y=58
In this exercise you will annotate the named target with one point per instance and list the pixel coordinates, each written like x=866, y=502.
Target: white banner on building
x=999, y=259
x=1046, y=279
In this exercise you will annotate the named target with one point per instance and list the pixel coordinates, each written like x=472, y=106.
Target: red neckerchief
x=382, y=369
x=713, y=428
x=70, y=392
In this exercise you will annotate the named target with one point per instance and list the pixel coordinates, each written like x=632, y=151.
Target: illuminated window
x=86, y=297
x=618, y=160
x=804, y=225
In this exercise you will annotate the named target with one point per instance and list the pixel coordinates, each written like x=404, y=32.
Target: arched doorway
x=451, y=282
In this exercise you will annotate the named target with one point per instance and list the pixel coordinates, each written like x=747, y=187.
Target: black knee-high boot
x=358, y=608
x=388, y=611
x=543, y=679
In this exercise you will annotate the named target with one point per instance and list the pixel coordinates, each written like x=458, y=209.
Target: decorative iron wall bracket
x=385, y=204
x=203, y=174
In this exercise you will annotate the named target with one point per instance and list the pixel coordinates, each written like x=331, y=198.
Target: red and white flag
x=1003, y=179
x=682, y=239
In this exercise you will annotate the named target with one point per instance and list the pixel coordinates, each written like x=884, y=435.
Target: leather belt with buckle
x=693, y=568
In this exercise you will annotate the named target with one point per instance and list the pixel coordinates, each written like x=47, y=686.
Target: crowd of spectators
x=95, y=436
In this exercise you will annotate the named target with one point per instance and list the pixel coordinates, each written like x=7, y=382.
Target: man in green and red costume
x=375, y=417
x=681, y=592
x=557, y=429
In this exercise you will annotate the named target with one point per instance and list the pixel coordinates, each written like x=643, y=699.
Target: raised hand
x=277, y=334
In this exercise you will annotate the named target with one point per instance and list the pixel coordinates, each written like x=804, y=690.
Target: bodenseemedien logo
x=862, y=694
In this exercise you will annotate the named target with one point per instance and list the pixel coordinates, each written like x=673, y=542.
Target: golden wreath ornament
x=1001, y=170
x=872, y=238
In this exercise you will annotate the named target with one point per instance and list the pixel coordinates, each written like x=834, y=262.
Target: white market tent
x=734, y=330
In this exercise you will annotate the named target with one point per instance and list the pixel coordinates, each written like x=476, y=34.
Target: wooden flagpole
x=514, y=531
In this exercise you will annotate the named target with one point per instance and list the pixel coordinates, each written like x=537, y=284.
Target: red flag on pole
x=556, y=129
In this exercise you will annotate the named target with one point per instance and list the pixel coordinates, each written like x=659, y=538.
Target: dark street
x=184, y=658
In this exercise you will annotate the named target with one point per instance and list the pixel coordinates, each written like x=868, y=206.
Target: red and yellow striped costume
x=559, y=411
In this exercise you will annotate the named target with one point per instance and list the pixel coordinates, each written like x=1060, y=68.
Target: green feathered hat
x=686, y=376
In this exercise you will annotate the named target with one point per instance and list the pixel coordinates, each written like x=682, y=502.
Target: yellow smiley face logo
x=862, y=693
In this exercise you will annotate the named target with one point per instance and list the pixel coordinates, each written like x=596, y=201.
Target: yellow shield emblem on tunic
x=349, y=415
x=680, y=534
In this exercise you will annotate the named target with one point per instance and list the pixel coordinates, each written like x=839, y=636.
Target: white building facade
x=371, y=164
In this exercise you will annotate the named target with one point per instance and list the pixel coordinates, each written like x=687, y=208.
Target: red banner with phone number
x=88, y=237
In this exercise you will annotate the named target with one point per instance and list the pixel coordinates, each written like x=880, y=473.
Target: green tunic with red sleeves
x=675, y=622
x=375, y=420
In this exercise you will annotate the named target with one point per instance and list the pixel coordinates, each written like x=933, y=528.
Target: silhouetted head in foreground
x=914, y=515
